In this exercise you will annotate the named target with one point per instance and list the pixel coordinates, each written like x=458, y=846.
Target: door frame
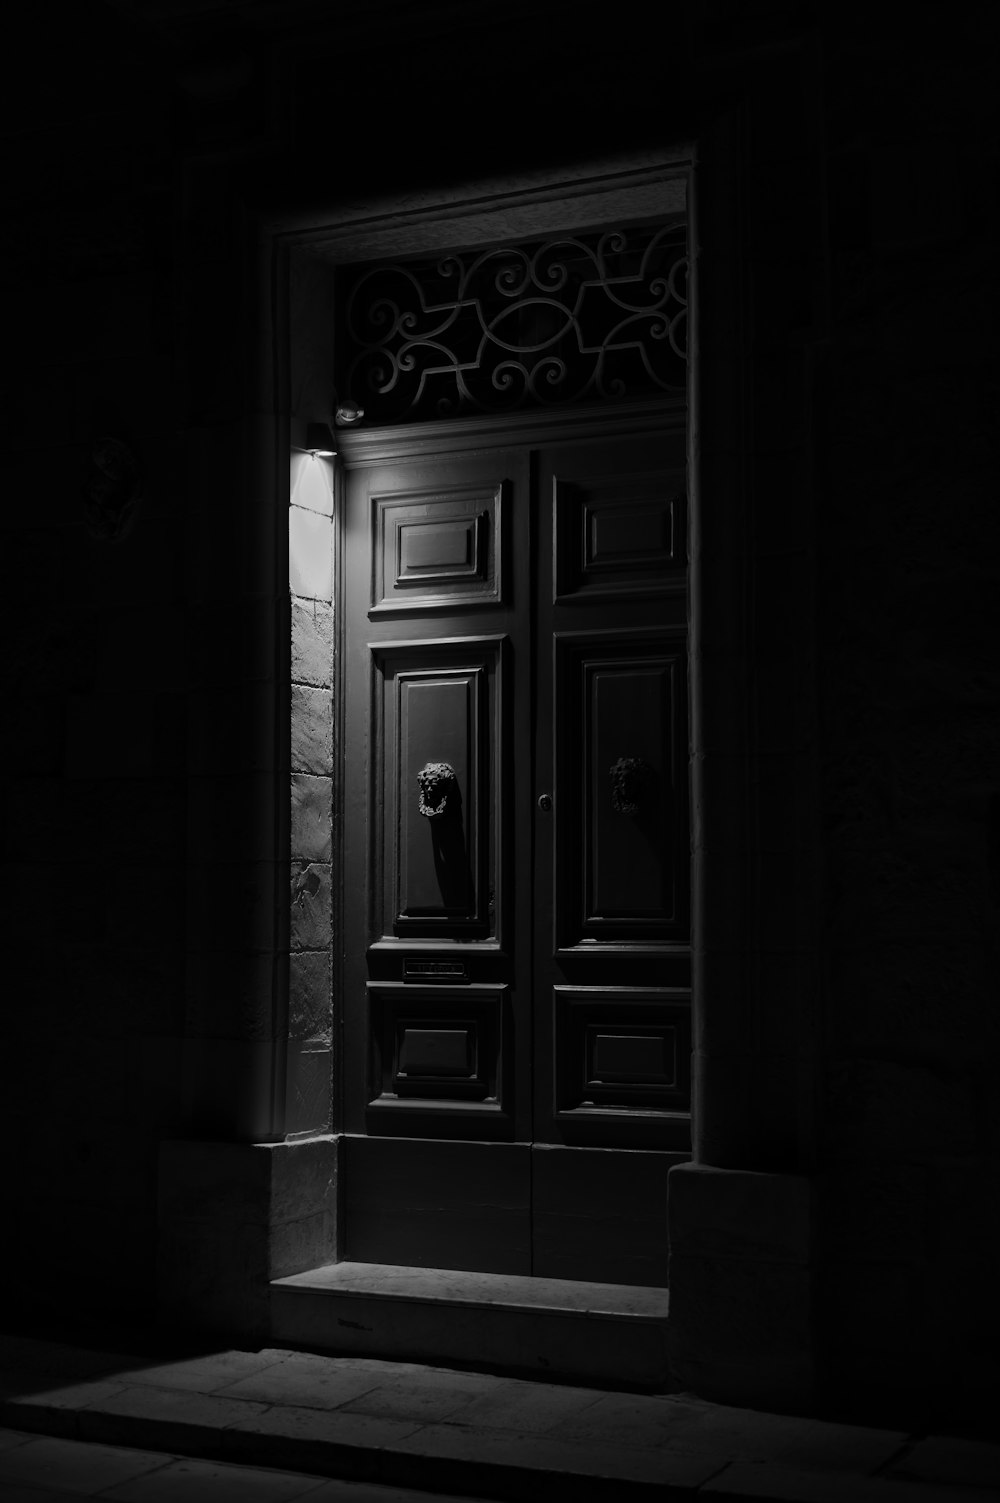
x=656, y=186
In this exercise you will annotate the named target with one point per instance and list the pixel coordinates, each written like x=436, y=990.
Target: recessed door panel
x=439, y=1056
x=436, y=549
x=622, y=848
x=435, y=787
x=617, y=535
x=622, y=1049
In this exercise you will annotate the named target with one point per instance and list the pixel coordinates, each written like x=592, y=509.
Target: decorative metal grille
x=582, y=317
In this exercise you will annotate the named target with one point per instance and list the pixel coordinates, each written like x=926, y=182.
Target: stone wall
x=904, y=399
x=159, y=983
x=96, y=662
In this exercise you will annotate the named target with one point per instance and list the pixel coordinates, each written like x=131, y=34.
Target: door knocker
x=627, y=778
x=436, y=780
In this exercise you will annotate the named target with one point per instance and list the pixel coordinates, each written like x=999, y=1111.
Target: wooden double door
x=515, y=1065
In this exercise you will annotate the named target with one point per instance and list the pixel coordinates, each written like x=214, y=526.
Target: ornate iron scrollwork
x=436, y=781
x=579, y=317
x=628, y=776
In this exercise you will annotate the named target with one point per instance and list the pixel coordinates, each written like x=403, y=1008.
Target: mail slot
x=435, y=970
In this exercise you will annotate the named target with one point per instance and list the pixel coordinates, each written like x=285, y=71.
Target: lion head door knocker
x=628, y=779
x=437, y=780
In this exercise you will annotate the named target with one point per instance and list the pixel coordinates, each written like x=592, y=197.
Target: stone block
x=311, y=906
x=784, y=695
x=721, y=703
x=722, y=1213
x=233, y=1216
x=753, y=1109
x=230, y=642
x=310, y=554
x=310, y=1001
x=230, y=818
x=228, y=1088
x=877, y=1109
x=35, y=816
x=871, y=1210
x=312, y=643
x=124, y=818
x=311, y=730
x=963, y=1207
x=144, y=566
x=874, y=1311
x=63, y=1462
x=145, y=908
x=116, y=991
x=303, y=1178
x=230, y=905
x=734, y=1308
x=308, y=1089
x=33, y=735
x=232, y=730
x=153, y=1072
x=311, y=813
x=946, y=1458
x=311, y=483
x=230, y=995
x=225, y=1182
x=175, y=1421
x=308, y=1243
x=142, y=645
x=741, y=1317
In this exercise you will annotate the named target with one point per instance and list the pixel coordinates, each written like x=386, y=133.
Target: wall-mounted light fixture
x=320, y=440
x=348, y=412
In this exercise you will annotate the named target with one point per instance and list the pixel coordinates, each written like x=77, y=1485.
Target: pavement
x=273, y=1425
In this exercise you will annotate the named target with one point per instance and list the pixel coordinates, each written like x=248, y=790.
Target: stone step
x=609, y=1334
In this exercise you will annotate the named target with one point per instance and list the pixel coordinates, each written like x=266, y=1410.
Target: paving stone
x=424, y=1396
x=72, y=1396
x=601, y=1461
x=21, y=1353
x=528, y=1407
x=337, y=1491
x=204, y=1374
x=165, y=1417
x=11, y=1438
x=188, y=1481
x=14, y=1492
x=72, y=1465
x=310, y=1438
x=776, y=1484
x=944, y=1458
x=693, y=1425
x=308, y=1384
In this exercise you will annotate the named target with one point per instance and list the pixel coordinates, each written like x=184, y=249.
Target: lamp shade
x=319, y=440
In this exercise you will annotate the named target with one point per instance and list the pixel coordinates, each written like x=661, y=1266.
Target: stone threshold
x=609, y=1334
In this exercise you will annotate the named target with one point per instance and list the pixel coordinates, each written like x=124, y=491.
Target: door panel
x=440, y=1058
x=516, y=973
x=436, y=1005
x=599, y=1214
x=435, y=787
x=620, y=767
x=438, y=547
x=438, y=1204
